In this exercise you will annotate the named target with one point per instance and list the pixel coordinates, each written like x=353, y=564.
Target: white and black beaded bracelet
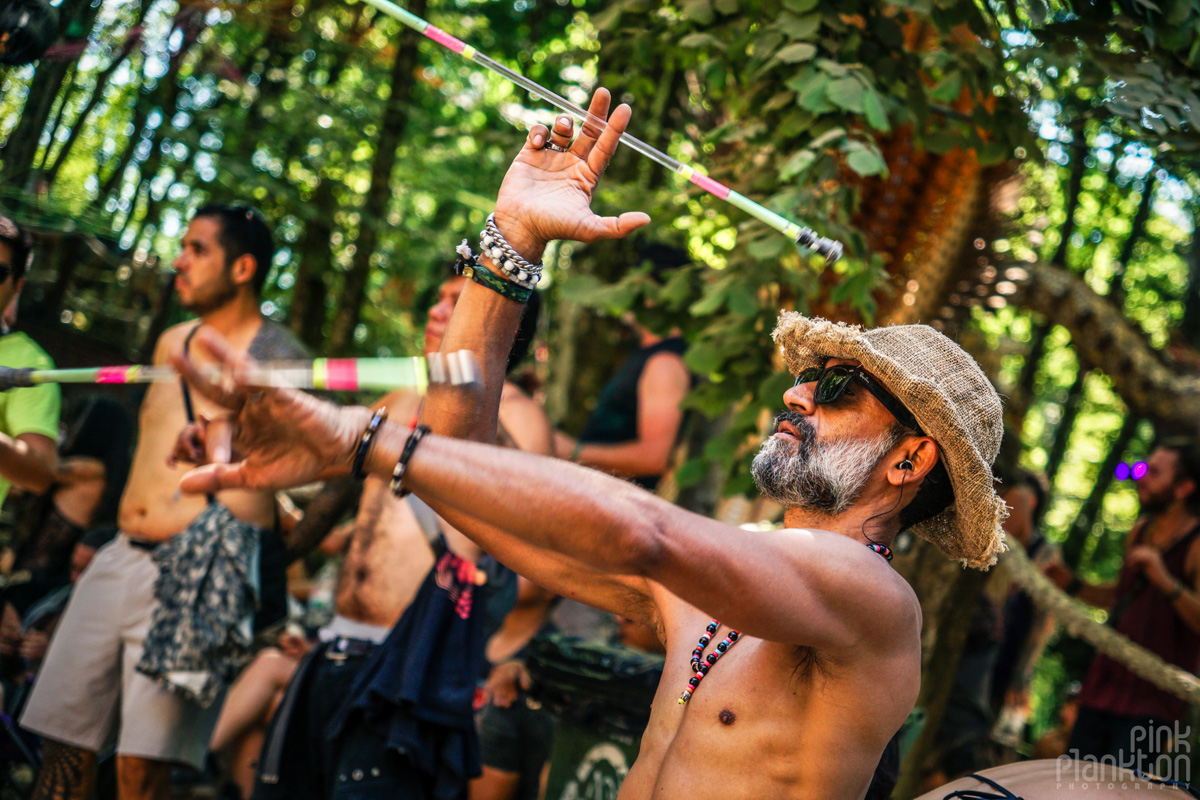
x=507, y=260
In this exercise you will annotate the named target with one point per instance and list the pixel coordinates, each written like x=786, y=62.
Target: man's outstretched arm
x=542, y=515
x=796, y=586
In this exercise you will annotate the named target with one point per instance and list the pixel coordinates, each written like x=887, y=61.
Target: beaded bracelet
x=364, y=444
x=507, y=260
x=410, y=447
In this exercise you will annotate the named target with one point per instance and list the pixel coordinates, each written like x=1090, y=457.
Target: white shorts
x=88, y=694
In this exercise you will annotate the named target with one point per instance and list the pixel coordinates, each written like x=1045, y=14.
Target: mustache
x=797, y=421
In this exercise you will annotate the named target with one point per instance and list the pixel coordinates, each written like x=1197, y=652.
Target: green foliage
x=280, y=102
x=1133, y=64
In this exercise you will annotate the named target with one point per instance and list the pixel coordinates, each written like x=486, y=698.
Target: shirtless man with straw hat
x=815, y=660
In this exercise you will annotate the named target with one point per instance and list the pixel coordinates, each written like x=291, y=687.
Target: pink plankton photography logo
x=1159, y=756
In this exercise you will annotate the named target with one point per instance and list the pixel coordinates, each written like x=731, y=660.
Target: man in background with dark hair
x=89, y=695
x=29, y=416
x=1156, y=603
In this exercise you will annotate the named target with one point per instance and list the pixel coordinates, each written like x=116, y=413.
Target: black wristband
x=364, y=444
x=410, y=447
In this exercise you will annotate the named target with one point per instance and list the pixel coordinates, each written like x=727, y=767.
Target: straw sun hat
x=951, y=398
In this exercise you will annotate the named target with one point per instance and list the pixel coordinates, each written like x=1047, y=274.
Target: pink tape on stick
x=341, y=375
x=111, y=374
x=445, y=39
x=709, y=185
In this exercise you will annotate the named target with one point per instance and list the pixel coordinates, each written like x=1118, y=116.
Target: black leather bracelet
x=364, y=444
x=410, y=447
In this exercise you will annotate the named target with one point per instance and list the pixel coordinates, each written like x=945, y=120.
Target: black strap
x=187, y=393
x=427, y=520
x=1126, y=600
x=979, y=794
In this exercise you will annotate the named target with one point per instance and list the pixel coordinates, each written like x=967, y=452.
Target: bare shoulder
x=525, y=420
x=665, y=365
x=173, y=337
x=861, y=577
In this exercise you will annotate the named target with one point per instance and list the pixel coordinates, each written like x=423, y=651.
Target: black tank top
x=616, y=415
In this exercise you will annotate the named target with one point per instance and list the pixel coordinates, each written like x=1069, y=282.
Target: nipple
x=726, y=716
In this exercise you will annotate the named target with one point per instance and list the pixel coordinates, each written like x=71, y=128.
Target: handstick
x=333, y=374
x=831, y=249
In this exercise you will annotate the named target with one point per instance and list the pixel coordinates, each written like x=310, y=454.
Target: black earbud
x=906, y=464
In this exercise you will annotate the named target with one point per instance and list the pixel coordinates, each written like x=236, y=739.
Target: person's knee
x=142, y=778
x=272, y=666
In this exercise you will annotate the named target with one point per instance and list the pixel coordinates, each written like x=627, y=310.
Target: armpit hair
x=809, y=665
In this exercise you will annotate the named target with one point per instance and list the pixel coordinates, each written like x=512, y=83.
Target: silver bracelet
x=507, y=260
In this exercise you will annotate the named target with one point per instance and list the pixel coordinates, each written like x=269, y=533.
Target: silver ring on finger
x=555, y=147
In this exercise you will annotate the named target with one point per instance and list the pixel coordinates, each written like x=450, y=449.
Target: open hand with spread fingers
x=547, y=192
x=282, y=437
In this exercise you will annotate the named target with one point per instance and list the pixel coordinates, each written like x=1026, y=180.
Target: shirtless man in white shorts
x=88, y=696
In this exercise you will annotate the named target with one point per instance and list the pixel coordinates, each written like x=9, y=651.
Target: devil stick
x=805, y=237
x=332, y=374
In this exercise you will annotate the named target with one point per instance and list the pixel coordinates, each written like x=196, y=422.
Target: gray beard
x=822, y=476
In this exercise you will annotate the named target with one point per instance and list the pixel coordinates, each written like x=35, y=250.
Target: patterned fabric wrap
x=207, y=591
x=951, y=398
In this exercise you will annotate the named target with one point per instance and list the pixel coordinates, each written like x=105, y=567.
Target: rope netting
x=1076, y=618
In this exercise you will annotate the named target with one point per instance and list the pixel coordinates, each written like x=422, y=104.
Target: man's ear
x=243, y=269
x=1184, y=489
x=913, y=460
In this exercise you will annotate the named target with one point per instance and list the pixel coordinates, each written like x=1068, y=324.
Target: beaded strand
x=701, y=663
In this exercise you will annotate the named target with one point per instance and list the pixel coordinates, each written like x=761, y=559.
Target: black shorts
x=517, y=739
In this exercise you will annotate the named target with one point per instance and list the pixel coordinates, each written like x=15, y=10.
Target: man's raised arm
x=546, y=195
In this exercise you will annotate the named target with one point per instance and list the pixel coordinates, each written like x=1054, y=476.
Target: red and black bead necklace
x=702, y=666
x=701, y=663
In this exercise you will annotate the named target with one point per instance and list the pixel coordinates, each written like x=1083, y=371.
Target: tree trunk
x=1066, y=424
x=97, y=94
x=1077, y=538
x=306, y=316
x=1074, y=189
x=71, y=82
x=374, y=212
x=937, y=680
x=1105, y=340
x=21, y=148
x=1023, y=392
x=1137, y=228
x=1189, y=329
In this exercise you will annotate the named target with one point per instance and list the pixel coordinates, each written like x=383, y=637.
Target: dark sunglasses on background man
x=1134, y=472
x=832, y=383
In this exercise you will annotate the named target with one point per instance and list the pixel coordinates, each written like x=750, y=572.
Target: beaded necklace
x=701, y=663
x=701, y=667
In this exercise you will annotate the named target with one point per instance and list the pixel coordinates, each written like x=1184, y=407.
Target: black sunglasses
x=6, y=270
x=832, y=383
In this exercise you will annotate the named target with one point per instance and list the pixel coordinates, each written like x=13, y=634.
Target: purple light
x=1139, y=470
x=1122, y=471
